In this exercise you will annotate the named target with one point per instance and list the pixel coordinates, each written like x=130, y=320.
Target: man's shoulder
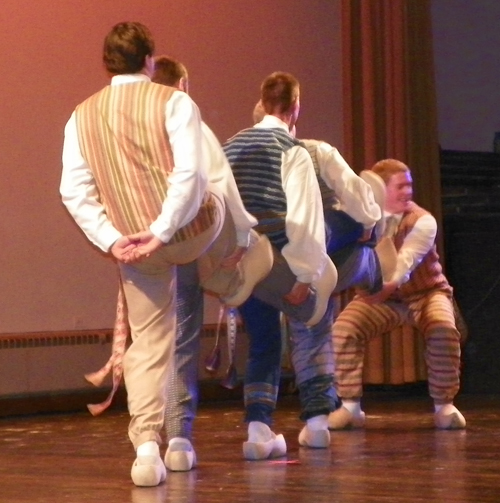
x=308, y=142
x=239, y=136
x=256, y=134
x=94, y=96
x=416, y=215
x=165, y=92
x=418, y=210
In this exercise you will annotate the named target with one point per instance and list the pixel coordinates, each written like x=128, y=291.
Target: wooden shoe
x=449, y=418
x=274, y=448
x=318, y=439
x=254, y=266
x=148, y=471
x=324, y=287
x=180, y=455
x=342, y=419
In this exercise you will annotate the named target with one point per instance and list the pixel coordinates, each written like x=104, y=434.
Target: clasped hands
x=135, y=247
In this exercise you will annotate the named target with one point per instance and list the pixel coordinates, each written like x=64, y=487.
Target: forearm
x=415, y=247
x=188, y=179
x=305, y=227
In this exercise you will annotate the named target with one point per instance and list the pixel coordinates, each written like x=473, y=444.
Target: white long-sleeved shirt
x=354, y=194
x=415, y=246
x=186, y=183
x=220, y=174
x=305, y=251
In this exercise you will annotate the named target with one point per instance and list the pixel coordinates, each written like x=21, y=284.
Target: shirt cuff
x=107, y=239
x=160, y=232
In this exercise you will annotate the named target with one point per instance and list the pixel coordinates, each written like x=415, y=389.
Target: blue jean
x=311, y=347
x=312, y=358
x=262, y=376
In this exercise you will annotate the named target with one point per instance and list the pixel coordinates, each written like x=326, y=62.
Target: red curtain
x=390, y=111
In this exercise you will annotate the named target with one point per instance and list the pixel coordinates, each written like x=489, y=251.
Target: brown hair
x=126, y=47
x=169, y=71
x=279, y=92
x=388, y=167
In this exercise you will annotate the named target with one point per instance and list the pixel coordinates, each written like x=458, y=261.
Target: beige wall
x=51, y=278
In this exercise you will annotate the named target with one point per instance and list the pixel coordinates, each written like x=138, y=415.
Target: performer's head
x=399, y=184
x=280, y=96
x=170, y=72
x=128, y=48
x=258, y=112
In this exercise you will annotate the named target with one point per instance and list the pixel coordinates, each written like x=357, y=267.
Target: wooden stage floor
x=399, y=457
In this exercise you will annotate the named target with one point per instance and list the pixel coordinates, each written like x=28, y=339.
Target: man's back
x=255, y=156
x=130, y=169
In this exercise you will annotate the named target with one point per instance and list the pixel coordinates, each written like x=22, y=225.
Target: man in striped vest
x=416, y=290
x=277, y=183
x=134, y=178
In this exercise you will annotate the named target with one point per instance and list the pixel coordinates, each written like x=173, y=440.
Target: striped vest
x=122, y=136
x=255, y=156
x=428, y=275
x=328, y=196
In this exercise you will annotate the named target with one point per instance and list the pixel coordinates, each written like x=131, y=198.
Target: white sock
x=318, y=422
x=148, y=449
x=353, y=406
x=259, y=432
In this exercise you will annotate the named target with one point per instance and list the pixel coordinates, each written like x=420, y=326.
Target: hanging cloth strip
x=121, y=332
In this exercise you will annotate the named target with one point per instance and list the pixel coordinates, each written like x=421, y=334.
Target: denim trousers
x=312, y=358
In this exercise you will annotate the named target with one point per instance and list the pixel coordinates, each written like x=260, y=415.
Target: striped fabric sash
x=114, y=365
x=204, y=219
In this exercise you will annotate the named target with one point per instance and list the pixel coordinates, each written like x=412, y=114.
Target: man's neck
x=286, y=118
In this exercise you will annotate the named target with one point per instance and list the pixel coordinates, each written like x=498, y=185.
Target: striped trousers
x=433, y=316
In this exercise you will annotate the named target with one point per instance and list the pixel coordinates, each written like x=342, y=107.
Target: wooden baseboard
x=210, y=390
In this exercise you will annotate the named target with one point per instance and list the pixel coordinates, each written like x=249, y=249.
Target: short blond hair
x=388, y=167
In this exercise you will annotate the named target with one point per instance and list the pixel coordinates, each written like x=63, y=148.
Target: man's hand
x=298, y=293
x=377, y=298
x=122, y=249
x=231, y=261
x=145, y=243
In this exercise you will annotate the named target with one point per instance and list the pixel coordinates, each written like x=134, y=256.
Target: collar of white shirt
x=271, y=121
x=129, y=78
x=397, y=216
